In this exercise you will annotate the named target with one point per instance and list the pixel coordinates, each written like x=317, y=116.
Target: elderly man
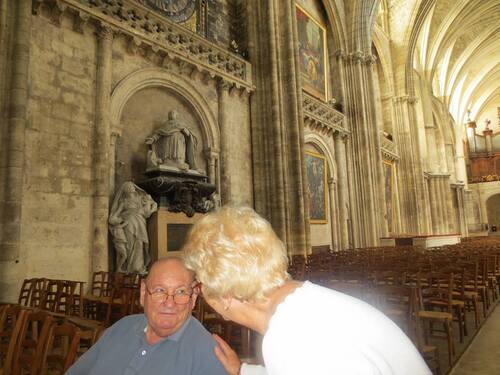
x=166, y=339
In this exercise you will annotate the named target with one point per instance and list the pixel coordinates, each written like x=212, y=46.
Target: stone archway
x=493, y=211
x=139, y=102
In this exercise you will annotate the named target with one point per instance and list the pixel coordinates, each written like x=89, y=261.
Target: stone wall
x=60, y=175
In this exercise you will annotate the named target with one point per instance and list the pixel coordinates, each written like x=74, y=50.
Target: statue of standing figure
x=127, y=224
x=172, y=145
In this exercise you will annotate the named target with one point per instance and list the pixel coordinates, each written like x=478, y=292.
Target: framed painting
x=316, y=181
x=388, y=194
x=312, y=54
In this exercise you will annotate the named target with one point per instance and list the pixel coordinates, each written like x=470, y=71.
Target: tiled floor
x=482, y=357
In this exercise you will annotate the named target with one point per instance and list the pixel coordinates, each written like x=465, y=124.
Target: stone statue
x=172, y=145
x=127, y=224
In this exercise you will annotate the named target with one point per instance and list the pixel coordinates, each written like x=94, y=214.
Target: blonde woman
x=307, y=329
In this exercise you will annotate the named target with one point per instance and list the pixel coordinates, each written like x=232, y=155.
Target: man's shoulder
x=129, y=323
x=196, y=332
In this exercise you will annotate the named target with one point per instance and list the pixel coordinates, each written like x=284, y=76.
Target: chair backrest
x=38, y=292
x=25, y=292
x=60, y=351
x=65, y=296
x=13, y=319
x=32, y=340
x=101, y=284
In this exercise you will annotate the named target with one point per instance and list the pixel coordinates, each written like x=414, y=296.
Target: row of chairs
x=34, y=341
x=421, y=290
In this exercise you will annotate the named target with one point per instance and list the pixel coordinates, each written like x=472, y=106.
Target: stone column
x=101, y=168
x=212, y=158
x=333, y=214
x=359, y=105
x=343, y=184
x=15, y=133
x=459, y=156
x=461, y=210
x=451, y=217
x=225, y=141
x=115, y=134
x=411, y=178
x=277, y=129
x=443, y=206
x=433, y=198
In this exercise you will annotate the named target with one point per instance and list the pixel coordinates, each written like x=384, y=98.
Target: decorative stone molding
x=388, y=149
x=356, y=57
x=321, y=116
x=429, y=175
x=406, y=98
x=161, y=36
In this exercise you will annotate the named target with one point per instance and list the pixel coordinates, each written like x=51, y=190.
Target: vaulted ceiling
x=458, y=52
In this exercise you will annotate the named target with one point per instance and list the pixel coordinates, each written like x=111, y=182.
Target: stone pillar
x=16, y=125
x=461, y=171
x=461, y=209
x=359, y=105
x=333, y=214
x=413, y=201
x=343, y=184
x=225, y=141
x=115, y=134
x=453, y=225
x=440, y=204
x=433, y=198
x=101, y=150
x=212, y=158
x=277, y=129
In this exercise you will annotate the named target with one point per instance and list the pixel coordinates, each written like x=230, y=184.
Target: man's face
x=166, y=317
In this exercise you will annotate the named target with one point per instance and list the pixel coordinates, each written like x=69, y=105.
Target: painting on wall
x=388, y=189
x=316, y=179
x=312, y=54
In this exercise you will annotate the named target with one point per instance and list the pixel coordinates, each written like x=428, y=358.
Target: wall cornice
x=146, y=29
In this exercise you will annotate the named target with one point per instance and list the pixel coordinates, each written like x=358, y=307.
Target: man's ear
x=143, y=292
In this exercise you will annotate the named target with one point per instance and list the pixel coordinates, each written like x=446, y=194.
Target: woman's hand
x=227, y=356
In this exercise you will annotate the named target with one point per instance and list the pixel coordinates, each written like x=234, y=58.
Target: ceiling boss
x=175, y=10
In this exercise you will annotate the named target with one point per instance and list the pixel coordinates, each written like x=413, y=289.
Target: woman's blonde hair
x=235, y=253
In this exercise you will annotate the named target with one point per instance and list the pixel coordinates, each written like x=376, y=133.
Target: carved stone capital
x=340, y=54
x=104, y=32
x=223, y=85
x=80, y=21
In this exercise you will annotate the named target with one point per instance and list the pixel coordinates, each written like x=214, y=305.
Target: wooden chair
x=397, y=302
x=118, y=305
x=32, y=340
x=61, y=349
x=13, y=319
x=428, y=287
x=430, y=353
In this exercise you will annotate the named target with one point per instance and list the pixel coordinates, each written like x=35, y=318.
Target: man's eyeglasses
x=181, y=296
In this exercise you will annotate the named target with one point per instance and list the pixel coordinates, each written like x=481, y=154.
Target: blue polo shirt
x=123, y=349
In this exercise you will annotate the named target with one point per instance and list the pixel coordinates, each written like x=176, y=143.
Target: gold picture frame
x=316, y=170
x=312, y=54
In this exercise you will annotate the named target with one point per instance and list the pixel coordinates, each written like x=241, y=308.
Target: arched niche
x=140, y=104
x=493, y=211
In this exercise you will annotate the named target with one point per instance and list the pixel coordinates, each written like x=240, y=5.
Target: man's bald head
x=166, y=263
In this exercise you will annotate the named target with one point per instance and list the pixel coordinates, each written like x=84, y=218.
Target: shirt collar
x=143, y=325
